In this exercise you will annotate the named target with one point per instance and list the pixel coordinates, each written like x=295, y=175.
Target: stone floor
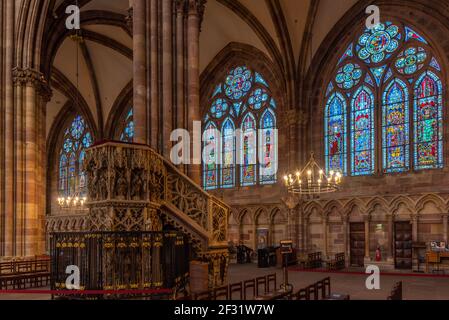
x=352, y=282
x=415, y=286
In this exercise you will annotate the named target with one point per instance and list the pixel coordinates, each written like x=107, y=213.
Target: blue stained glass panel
x=335, y=135
x=268, y=157
x=362, y=132
x=428, y=122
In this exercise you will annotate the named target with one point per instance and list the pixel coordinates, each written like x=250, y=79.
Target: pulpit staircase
x=131, y=188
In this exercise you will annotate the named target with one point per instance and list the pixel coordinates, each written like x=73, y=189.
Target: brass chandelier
x=312, y=180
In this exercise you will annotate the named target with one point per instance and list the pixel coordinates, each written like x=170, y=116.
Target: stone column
x=390, y=237
x=445, y=230
x=291, y=204
x=140, y=104
x=415, y=221
x=306, y=234
x=346, y=241
x=367, y=240
x=167, y=76
x=325, y=225
x=195, y=11
x=32, y=93
x=180, y=66
x=9, y=176
x=153, y=48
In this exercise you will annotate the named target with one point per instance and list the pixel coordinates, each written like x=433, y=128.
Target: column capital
x=196, y=8
x=34, y=78
x=367, y=218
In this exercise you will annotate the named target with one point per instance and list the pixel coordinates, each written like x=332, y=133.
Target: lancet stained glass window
x=385, y=94
x=395, y=127
x=77, y=138
x=428, y=119
x=244, y=112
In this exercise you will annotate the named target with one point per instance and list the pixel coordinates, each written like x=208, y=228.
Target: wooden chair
x=261, y=281
x=320, y=289
x=221, y=293
x=301, y=295
x=312, y=293
x=249, y=284
x=327, y=286
x=236, y=287
x=204, y=295
x=271, y=279
x=396, y=293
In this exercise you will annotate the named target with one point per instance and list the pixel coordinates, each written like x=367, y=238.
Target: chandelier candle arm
x=315, y=180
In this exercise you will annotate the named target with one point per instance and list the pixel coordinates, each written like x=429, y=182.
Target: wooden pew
x=24, y=274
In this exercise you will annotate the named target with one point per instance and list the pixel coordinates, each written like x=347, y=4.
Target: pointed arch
x=407, y=202
x=395, y=127
x=433, y=198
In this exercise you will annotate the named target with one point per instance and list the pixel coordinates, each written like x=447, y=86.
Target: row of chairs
x=396, y=292
x=319, y=290
x=23, y=274
x=337, y=263
x=244, y=290
x=314, y=260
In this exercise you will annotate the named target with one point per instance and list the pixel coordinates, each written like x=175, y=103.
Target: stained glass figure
x=228, y=165
x=210, y=169
x=411, y=60
x=362, y=132
x=428, y=122
x=335, y=136
x=238, y=83
x=268, y=152
x=379, y=43
x=72, y=179
x=219, y=108
x=348, y=76
x=395, y=127
x=128, y=131
x=257, y=100
x=248, y=151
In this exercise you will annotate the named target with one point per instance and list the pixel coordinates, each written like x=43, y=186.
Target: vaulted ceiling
x=271, y=26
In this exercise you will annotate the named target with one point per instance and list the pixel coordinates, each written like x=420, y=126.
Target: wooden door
x=357, y=243
x=403, y=245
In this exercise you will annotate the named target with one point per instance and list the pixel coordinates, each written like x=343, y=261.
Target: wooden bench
x=317, y=291
x=24, y=274
x=337, y=263
x=396, y=292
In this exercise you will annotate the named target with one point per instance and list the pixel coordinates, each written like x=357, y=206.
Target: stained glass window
x=210, y=170
x=248, y=151
x=77, y=138
x=335, y=136
x=242, y=107
x=428, y=122
x=362, y=132
x=386, y=85
x=128, y=131
x=228, y=166
x=395, y=127
x=268, y=153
